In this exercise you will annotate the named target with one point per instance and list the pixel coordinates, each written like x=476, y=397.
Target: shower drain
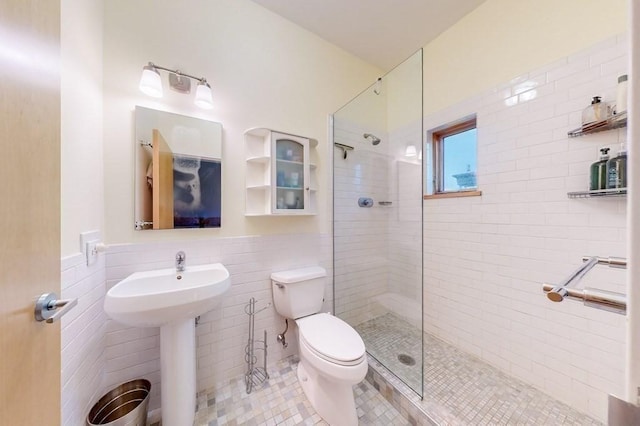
x=406, y=359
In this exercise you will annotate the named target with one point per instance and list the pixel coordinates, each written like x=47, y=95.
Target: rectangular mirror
x=177, y=171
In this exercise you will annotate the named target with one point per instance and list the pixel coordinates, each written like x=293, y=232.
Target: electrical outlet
x=88, y=246
x=91, y=252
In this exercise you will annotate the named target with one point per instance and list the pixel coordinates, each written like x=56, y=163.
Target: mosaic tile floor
x=460, y=389
x=281, y=401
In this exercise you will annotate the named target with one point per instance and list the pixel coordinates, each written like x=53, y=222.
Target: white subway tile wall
x=404, y=227
x=361, y=233
x=83, y=337
x=377, y=249
x=486, y=257
x=221, y=334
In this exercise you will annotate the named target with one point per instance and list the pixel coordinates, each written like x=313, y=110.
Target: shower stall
x=378, y=219
x=446, y=292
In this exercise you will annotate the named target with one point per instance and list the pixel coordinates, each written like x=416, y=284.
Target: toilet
x=332, y=353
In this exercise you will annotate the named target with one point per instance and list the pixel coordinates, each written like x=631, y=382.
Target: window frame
x=437, y=160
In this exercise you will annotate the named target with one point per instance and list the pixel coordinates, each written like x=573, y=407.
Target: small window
x=453, y=161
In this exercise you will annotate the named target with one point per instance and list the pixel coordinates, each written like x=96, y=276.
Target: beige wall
x=264, y=72
x=503, y=39
x=404, y=95
x=82, y=183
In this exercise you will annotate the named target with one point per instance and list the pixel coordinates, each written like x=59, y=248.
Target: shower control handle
x=365, y=202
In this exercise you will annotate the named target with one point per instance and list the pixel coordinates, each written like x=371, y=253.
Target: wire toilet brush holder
x=255, y=375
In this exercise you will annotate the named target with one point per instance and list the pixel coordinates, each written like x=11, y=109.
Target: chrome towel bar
x=592, y=297
x=613, y=262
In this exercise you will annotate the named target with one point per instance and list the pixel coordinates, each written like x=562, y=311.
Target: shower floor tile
x=460, y=389
x=281, y=401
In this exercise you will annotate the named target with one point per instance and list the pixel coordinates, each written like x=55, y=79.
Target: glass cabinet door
x=290, y=173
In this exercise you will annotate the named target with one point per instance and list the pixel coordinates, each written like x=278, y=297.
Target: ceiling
x=381, y=32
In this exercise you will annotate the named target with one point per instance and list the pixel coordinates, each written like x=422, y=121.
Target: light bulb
x=150, y=82
x=203, y=95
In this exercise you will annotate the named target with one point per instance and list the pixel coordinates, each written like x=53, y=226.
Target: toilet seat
x=331, y=339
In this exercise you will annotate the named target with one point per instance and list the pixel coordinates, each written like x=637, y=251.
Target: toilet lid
x=331, y=337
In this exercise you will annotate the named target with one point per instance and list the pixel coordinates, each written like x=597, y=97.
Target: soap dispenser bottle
x=595, y=112
x=617, y=170
x=599, y=171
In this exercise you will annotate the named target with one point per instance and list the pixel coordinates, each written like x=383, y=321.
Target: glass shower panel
x=377, y=203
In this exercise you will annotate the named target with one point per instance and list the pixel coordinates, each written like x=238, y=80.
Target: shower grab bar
x=613, y=262
x=592, y=297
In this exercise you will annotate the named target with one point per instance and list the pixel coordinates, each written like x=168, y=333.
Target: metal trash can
x=125, y=405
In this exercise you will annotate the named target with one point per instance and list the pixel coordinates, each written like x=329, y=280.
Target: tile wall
x=405, y=227
x=361, y=234
x=222, y=334
x=83, y=337
x=377, y=249
x=487, y=257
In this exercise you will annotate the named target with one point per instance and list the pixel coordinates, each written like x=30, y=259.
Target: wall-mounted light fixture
x=411, y=151
x=151, y=84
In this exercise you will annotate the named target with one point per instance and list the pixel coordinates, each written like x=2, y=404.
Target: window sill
x=456, y=194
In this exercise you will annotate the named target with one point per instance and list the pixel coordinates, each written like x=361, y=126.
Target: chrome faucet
x=181, y=260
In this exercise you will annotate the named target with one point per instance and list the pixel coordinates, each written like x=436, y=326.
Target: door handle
x=47, y=307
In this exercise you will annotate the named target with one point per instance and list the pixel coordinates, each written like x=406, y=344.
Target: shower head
x=374, y=139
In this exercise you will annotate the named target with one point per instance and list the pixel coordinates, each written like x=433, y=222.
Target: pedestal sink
x=171, y=299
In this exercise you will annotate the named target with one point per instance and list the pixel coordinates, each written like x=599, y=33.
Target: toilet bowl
x=332, y=360
x=332, y=353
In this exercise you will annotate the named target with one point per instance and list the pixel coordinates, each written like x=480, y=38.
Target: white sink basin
x=155, y=298
x=171, y=300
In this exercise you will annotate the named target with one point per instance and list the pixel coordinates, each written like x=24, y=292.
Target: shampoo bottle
x=621, y=94
x=599, y=171
x=617, y=170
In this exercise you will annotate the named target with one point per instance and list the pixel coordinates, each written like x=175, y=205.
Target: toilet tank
x=298, y=292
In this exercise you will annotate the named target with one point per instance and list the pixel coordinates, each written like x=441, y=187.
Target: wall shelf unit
x=617, y=192
x=614, y=122
x=280, y=173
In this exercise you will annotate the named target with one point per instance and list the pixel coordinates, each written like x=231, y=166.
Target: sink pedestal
x=171, y=299
x=178, y=372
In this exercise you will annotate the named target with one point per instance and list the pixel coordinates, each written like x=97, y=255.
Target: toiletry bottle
x=599, y=171
x=621, y=94
x=595, y=112
x=617, y=170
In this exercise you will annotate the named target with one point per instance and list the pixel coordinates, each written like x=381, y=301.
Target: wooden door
x=29, y=209
x=162, y=182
